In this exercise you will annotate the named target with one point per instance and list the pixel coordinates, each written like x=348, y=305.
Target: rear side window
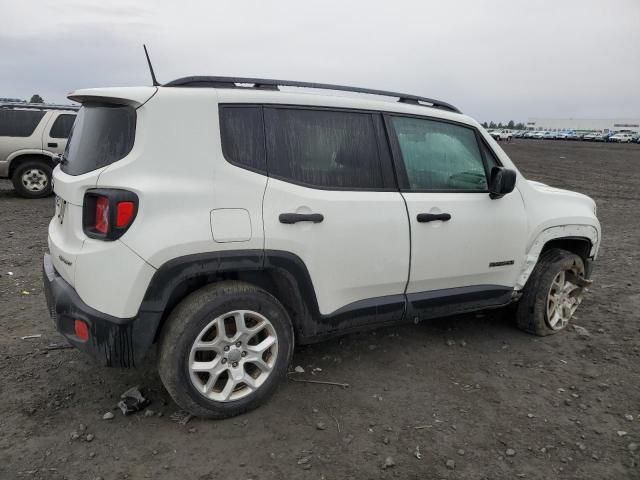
x=326, y=149
x=19, y=123
x=61, y=127
x=102, y=134
x=440, y=156
x=242, y=135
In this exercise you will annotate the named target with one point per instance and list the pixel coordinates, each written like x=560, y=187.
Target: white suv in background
x=31, y=138
x=622, y=137
x=227, y=220
x=503, y=134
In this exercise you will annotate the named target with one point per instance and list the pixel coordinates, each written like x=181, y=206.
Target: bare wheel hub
x=233, y=355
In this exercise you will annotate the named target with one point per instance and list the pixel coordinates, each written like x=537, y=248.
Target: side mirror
x=502, y=181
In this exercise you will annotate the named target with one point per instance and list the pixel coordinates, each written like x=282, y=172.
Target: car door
x=57, y=132
x=466, y=248
x=332, y=201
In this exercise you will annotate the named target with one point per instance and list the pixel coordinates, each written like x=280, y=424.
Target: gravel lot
x=462, y=398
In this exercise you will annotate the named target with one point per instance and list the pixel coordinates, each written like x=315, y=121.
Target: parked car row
x=589, y=136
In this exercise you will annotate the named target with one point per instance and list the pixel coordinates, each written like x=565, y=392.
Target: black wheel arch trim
x=170, y=282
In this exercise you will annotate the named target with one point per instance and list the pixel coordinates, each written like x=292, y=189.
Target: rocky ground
x=461, y=398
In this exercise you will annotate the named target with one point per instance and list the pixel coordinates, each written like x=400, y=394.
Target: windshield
x=102, y=134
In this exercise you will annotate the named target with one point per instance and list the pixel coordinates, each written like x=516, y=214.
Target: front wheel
x=225, y=349
x=32, y=179
x=552, y=294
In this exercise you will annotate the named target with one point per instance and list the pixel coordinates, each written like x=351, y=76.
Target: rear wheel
x=32, y=179
x=552, y=294
x=225, y=349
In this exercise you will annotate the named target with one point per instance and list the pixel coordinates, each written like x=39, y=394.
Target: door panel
x=464, y=245
x=459, y=252
x=360, y=250
x=56, y=132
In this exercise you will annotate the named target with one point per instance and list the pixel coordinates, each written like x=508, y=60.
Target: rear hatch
x=103, y=133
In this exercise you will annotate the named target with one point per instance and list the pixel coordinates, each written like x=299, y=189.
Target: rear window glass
x=19, y=123
x=242, y=134
x=62, y=126
x=102, y=134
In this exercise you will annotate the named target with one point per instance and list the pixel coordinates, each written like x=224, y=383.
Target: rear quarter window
x=102, y=134
x=19, y=123
x=242, y=133
x=61, y=127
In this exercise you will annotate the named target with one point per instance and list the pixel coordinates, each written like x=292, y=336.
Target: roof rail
x=38, y=106
x=270, y=84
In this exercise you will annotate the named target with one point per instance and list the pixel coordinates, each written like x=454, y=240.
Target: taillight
x=102, y=215
x=108, y=213
x=124, y=213
x=81, y=330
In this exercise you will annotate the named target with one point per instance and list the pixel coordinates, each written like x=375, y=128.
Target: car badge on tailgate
x=61, y=206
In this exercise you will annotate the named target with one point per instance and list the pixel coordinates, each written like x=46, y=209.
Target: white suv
x=503, y=134
x=31, y=138
x=227, y=219
x=622, y=137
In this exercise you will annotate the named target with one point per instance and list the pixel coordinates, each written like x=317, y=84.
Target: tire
x=32, y=179
x=532, y=309
x=189, y=322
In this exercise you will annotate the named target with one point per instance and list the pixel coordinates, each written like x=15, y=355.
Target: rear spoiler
x=132, y=96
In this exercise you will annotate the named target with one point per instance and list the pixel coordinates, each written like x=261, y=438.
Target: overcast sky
x=494, y=59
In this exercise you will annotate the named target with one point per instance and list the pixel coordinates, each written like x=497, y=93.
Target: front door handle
x=432, y=217
x=52, y=145
x=290, y=218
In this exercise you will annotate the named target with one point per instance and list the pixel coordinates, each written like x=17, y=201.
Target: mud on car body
x=228, y=222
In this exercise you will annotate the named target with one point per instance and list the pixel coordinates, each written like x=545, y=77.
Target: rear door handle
x=432, y=217
x=290, y=218
x=52, y=144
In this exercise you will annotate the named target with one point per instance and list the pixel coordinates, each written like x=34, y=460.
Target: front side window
x=102, y=134
x=61, y=127
x=325, y=149
x=439, y=155
x=19, y=123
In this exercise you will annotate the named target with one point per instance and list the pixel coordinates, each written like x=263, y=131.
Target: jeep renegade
x=227, y=219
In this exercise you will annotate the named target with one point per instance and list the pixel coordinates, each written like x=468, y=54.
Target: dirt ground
x=461, y=398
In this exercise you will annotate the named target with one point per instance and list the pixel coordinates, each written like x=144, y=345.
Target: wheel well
x=578, y=245
x=279, y=283
x=26, y=157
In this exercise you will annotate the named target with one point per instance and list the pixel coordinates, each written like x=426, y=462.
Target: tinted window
x=101, y=135
x=62, y=126
x=242, y=135
x=323, y=148
x=440, y=156
x=19, y=123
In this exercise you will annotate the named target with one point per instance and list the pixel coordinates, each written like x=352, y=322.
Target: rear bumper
x=113, y=342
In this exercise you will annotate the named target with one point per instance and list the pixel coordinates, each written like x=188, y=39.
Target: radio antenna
x=153, y=75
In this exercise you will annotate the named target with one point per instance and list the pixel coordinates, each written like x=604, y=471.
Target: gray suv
x=31, y=138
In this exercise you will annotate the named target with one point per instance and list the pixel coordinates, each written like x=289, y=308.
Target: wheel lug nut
x=234, y=364
x=238, y=344
x=224, y=360
x=226, y=348
x=244, y=354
